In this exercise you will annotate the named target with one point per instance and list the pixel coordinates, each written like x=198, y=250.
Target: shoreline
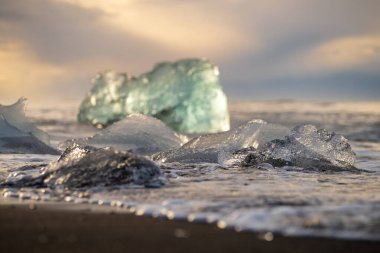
x=63, y=227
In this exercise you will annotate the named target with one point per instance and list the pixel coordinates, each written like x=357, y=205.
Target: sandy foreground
x=45, y=227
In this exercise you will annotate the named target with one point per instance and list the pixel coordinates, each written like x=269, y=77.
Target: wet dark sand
x=62, y=228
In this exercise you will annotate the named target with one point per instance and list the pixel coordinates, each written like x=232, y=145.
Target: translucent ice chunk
x=139, y=133
x=15, y=115
x=216, y=147
x=306, y=146
x=185, y=95
x=18, y=134
x=252, y=134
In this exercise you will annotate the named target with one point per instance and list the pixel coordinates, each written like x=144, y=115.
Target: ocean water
x=287, y=201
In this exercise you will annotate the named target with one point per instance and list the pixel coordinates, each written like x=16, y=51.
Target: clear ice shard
x=252, y=134
x=80, y=167
x=215, y=148
x=306, y=147
x=186, y=95
x=15, y=115
x=18, y=134
x=138, y=133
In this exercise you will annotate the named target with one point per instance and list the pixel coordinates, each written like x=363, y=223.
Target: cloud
x=63, y=33
x=196, y=27
x=48, y=36
x=61, y=44
x=346, y=53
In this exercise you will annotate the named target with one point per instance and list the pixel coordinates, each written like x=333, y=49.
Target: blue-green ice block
x=186, y=95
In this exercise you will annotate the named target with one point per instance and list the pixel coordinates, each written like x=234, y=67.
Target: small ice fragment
x=188, y=156
x=142, y=134
x=185, y=95
x=306, y=147
x=18, y=134
x=252, y=134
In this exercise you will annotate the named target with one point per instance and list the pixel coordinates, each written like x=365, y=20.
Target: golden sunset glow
x=22, y=72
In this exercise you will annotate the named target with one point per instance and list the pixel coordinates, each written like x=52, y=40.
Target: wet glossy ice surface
x=286, y=200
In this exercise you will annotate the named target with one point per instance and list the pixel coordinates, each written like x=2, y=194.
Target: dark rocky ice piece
x=91, y=167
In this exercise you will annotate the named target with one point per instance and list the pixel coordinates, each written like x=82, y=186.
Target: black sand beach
x=61, y=228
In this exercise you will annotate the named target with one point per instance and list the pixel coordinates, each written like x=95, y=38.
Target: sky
x=265, y=50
